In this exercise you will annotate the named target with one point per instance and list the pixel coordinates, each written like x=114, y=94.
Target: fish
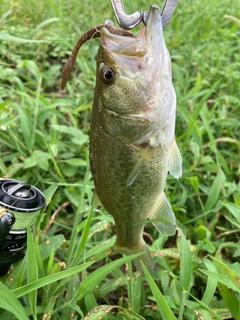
x=132, y=134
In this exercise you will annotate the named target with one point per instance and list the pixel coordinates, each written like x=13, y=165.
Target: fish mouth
x=148, y=42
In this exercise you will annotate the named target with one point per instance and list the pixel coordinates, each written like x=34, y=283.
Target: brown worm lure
x=94, y=32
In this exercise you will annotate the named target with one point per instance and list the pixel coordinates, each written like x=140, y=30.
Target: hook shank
x=126, y=21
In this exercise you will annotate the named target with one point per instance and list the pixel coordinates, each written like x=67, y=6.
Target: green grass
x=67, y=272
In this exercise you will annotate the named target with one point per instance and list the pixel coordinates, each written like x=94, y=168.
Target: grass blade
x=211, y=283
x=97, y=276
x=211, y=312
x=162, y=304
x=32, y=271
x=103, y=310
x=9, y=302
x=26, y=126
x=214, y=191
x=231, y=300
x=233, y=276
x=19, y=292
x=186, y=263
x=9, y=37
x=234, y=209
x=220, y=278
x=84, y=237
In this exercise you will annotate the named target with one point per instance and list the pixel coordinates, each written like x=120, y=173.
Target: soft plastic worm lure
x=94, y=32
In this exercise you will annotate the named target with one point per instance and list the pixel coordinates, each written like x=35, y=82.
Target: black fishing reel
x=19, y=206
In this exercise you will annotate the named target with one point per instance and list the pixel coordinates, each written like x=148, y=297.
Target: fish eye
x=107, y=75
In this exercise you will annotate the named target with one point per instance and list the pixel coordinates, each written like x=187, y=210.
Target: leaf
x=19, y=292
x=75, y=307
x=75, y=132
x=90, y=301
x=220, y=278
x=84, y=236
x=46, y=22
x=207, y=245
x=93, y=279
x=26, y=126
x=32, y=270
x=211, y=283
x=214, y=191
x=50, y=262
x=233, y=221
x=201, y=314
x=3, y=168
x=9, y=302
x=81, y=141
x=233, y=276
x=195, y=183
x=49, y=192
x=233, y=208
x=136, y=293
x=30, y=162
x=100, y=251
x=101, y=311
x=211, y=312
x=75, y=162
x=185, y=263
x=52, y=243
x=78, y=137
x=9, y=37
x=230, y=299
x=162, y=304
x=37, y=157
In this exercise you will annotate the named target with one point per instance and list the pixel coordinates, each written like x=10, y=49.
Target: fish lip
x=154, y=16
x=154, y=31
x=152, y=11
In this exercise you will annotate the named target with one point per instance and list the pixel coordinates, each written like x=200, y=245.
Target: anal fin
x=165, y=216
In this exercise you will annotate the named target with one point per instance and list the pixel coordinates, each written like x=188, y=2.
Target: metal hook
x=129, y=21
x=168, y=9
x=126, y=21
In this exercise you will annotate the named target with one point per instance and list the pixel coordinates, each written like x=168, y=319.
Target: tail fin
x=145, y=257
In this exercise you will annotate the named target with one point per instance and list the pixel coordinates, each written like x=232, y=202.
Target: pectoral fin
x=165, y=216
x=175, y=160
x=95, y=200
x=143, y=161
x=136, y=170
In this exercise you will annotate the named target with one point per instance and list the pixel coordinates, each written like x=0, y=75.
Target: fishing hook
x=129, y=21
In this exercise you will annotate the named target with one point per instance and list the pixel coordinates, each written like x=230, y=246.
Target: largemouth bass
x=132, y=143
